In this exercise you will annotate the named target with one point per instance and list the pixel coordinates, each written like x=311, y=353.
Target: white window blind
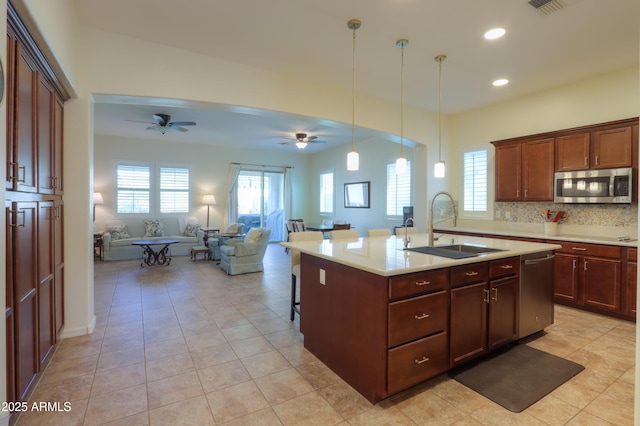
x=174, y=190
x=398, y=190
x=133, y=189
x=326, y=192
x=475, y=181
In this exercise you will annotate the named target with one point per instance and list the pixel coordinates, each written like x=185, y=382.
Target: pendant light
x=401, y=162
x=353, y=158
x=439, y=170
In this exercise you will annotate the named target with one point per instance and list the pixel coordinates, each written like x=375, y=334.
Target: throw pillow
x=191, y=230
x=118, y=232
x=153, y=228
x=253, y=236
x=184, y=221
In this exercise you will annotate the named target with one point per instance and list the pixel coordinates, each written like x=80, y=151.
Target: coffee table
x=153, y=257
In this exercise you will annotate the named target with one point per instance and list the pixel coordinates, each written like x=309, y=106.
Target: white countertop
x=385, y=255
x=593, y=238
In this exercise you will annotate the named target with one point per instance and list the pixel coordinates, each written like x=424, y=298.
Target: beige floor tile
x=165, y=348
x=585, y=419
x=265, y=363
x=345, y=400
x=170, y=366
x=494, y=415
x=205, y=339
x=73, y=417
x=241, y=332
x=194, y=411
x=173, y=389
x=251, y=346
x=120, y=358
x=116, y=405
x=236, y=401
x=575, y=393
x=610, y=409
x=141, y=419
x=427, y=407
x=264, y=417
x=126, y=341
x=118, y=378
x=223, y=375
x=310, y=408
x=212, y=355
x=552, y=410
x=382, y=415
x=283, y=386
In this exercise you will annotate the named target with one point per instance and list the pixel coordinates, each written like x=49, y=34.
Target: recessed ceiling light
x=501, y=82
x=494, y=33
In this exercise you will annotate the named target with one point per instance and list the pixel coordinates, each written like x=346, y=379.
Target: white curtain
x=288, y=196
x=232, y=199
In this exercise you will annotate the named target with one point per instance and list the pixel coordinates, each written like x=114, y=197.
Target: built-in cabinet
x=524, y=170
x=34, y=210
x=484, y=307
x=630, y=283
x=524, y=166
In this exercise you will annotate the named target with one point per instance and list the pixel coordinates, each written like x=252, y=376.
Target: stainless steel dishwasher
x=536, y=292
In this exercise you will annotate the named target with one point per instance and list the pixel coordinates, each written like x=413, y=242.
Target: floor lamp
x=209, y=200
x=97, y=199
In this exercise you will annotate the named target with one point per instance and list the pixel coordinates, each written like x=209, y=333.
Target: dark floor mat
x=517, y=377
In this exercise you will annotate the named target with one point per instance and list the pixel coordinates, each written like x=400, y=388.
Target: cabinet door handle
x=420, y=361
x=506, y=266
x=575, y=263
x=579, y=248
x=486, y=298
x=585, y=161
x=526, y=192
x=423, y=282
x=596, y=160
x=517, y=193
x=585, y=265
x=471, y=274
x=495, y=294
x=419, y=317
x=24, y=218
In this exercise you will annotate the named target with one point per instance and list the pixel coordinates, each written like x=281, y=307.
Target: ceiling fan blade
x=137, y=121
x=162, y=119
x=183, y=123
x=181, y=129
x=317, y=141
x=311, y=138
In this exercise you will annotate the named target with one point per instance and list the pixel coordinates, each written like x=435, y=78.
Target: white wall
x=209, y=166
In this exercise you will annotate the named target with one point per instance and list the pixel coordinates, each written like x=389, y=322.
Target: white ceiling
x=309, y=39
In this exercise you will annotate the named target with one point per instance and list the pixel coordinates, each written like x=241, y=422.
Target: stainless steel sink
x=454, y=251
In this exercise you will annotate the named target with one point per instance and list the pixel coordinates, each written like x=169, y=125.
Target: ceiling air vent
x=547, y=6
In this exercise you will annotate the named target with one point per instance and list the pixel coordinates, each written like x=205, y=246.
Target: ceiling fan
x=162, y=123
x=301, y=140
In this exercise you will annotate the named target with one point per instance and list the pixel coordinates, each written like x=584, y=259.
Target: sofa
x=241, y=256
x=119, y=234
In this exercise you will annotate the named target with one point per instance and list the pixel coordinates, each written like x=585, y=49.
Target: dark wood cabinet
x=34, y=210
x=572, y=152
x=524, y=171
x=630, y=292
x=484, y=308
x=565, y=277
x=612, y=148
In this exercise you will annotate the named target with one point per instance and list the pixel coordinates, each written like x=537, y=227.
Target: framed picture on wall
x=356, y=195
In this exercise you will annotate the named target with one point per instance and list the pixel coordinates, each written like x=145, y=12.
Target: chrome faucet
x=407, y=238
x=431, y=223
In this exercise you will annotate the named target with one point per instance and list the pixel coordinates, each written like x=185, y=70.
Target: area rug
x=517, y=377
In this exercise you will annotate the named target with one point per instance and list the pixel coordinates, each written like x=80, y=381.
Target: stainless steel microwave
x=594, y=186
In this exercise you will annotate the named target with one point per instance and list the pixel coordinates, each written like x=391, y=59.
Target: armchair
x=218, y=240
x=242, y=256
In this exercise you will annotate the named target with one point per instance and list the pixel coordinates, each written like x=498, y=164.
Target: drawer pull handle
x=423, y=282
x=420, y=361
x=423, y=316
x=506, y=266
x=579, y=248
x=471, y=274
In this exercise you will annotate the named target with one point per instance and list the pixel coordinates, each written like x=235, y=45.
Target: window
x=174, y=190
x=398, y=190
x=133, y=189
x=475, y=181
x=326, y=192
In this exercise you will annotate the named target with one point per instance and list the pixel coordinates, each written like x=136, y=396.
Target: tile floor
x=187, y=344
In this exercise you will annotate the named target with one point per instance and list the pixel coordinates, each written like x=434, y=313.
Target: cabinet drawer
x=504, y=267
x=469, y=274
x=418, y=283
x=416, y=362
x=597, y=250
x=417, y=317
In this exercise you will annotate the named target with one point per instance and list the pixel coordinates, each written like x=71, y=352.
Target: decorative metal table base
x=152, y=257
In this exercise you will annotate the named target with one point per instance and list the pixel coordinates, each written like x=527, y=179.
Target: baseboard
x=81, y=331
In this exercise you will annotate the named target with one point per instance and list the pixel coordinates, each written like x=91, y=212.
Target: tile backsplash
x=620, y=215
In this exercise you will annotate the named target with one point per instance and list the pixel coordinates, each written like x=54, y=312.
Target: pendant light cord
x=353, y=90
x=440, y=58
x=403, y=44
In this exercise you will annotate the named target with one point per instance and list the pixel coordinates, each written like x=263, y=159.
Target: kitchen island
x=385, y=319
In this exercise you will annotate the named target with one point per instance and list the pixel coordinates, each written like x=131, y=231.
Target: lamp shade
x=97, y=198
x=439, y=169
x=209, y=199
x=353, y=161
x=401, y=166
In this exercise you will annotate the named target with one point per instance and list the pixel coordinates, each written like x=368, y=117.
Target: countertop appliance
x=536, y=292
x=594, y=186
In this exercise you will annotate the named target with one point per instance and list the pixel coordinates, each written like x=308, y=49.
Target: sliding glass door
x=260, y=198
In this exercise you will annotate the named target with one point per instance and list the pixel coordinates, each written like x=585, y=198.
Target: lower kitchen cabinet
x=484, y=307
x=630, y=283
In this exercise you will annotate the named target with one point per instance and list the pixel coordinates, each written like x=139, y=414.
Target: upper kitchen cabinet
x=524, y=170
x=608, y=147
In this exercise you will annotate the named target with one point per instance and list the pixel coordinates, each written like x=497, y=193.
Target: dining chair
x=327, y=222
x=410, y=230
x=382, y=232
x=295, y=264
x=291, y=227
x=343, y=233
